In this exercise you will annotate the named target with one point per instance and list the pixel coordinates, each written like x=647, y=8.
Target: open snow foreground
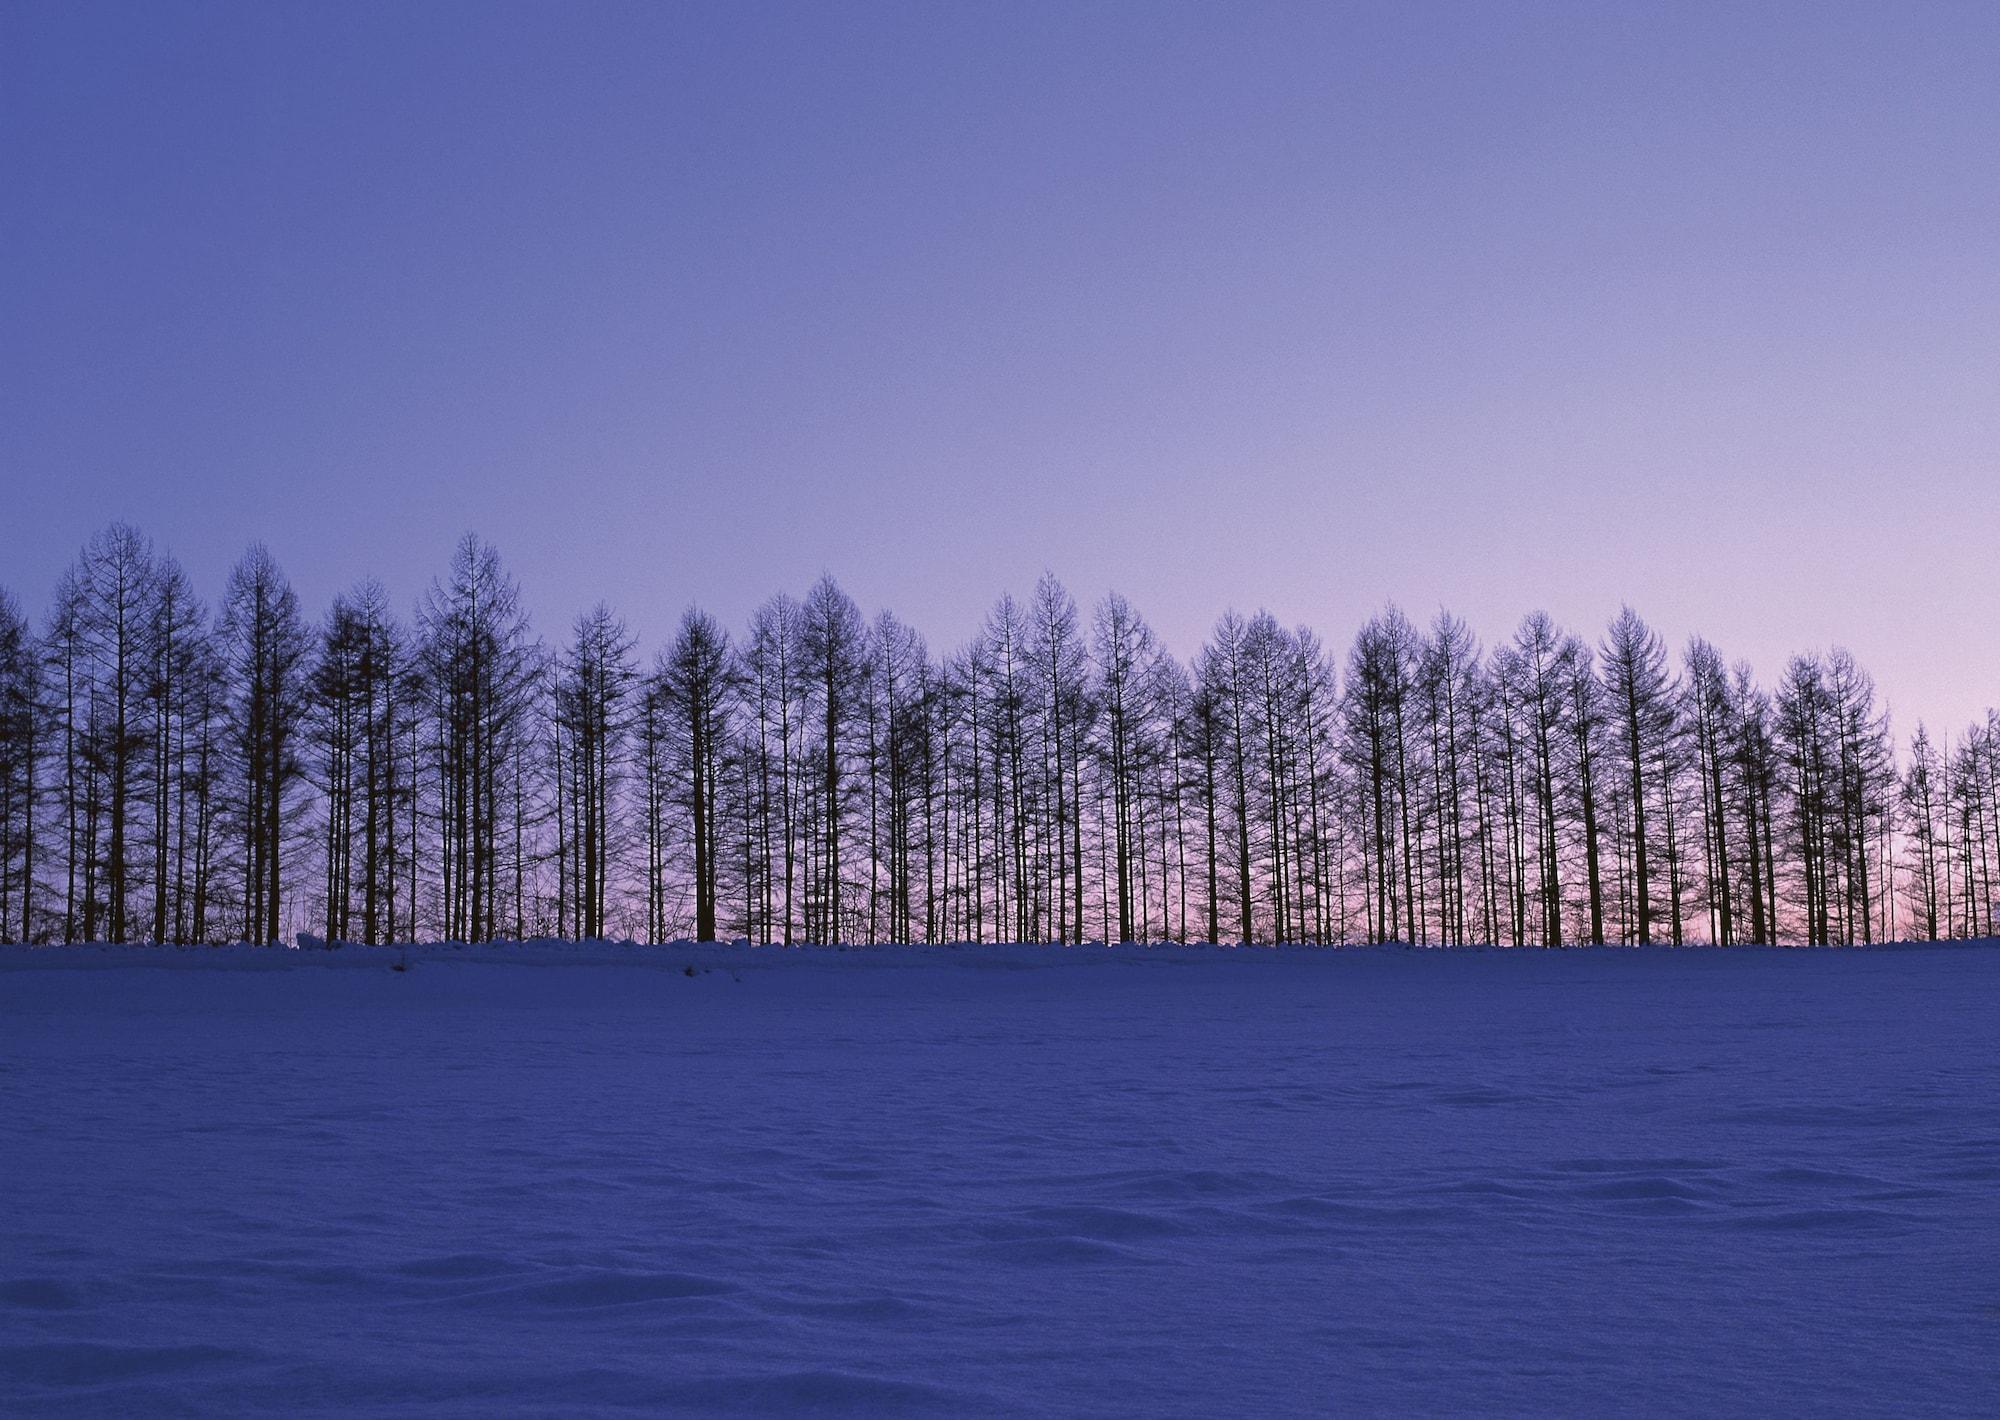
x=999, y=1180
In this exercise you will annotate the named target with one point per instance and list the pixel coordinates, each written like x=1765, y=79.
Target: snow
x=703, y=1181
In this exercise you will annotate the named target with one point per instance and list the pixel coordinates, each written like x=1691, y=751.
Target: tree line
x=175, y=773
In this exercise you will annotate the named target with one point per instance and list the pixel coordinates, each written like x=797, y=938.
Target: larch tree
x=1583, y=722
x=1369, y=711
x=773, y=675
x=1754, y=757
x=21, y=714
x=898, y=753
x=1448, y=673
x=480, y=675
x=1124, y=647
x=1062, y=665
x=116, y=574
x=696, y=686
x=1709, y=711
x=1925, y=828
x=267, y=651
x=1224, y=673
x=179, y=690
x=363, y=691
x=593, y=689
x=1638, y=687
x=833, y=652
x=1535, y=669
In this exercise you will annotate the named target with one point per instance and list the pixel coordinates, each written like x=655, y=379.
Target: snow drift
x=602, y=1180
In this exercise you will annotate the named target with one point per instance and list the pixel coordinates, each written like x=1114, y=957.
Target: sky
x=1305, y=307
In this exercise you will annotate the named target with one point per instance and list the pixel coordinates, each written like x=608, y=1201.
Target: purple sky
x=1491, y=306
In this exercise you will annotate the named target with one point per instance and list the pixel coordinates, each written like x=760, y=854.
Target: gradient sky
x=1309, y=307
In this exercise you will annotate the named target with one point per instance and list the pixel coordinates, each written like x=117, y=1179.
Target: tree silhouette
x=171, y=777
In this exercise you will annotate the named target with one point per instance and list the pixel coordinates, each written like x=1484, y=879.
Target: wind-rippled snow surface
x=1000, y=1181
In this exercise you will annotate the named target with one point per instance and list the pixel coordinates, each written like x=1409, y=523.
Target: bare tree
x=592, y=690
x=1709, y=710
x=1584, y=721
x=695, y=684
x=363, y=692
x=267, y=652
x=1926, y=829
x=480, y=672
x=1534, y=671
x=21, y=748
x=833, y=650
x=1124, y=647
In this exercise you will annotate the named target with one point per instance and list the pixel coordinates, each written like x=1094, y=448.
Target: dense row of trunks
x=171, y=775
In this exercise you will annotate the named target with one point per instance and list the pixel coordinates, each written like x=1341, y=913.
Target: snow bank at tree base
x=706, y=1180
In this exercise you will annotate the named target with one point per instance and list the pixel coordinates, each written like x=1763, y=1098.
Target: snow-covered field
x=961, y=1182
